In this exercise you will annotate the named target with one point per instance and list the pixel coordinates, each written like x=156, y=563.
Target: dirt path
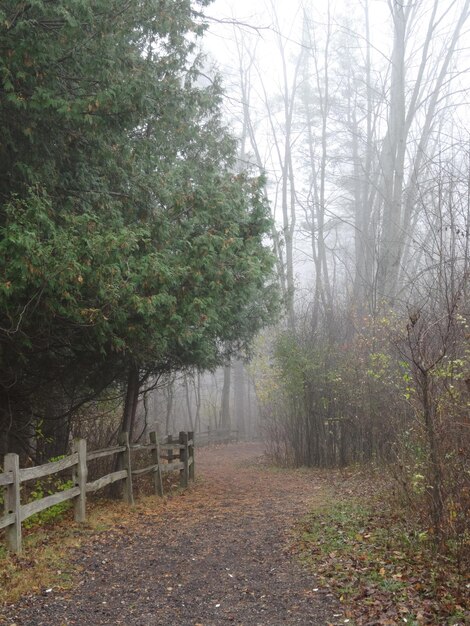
x=212, y=556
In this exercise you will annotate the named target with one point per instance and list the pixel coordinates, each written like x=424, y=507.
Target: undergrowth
x=384, y=568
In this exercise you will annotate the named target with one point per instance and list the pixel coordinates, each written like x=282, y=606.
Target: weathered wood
x=192, y=471
x=98, y=454
x=171, y=467
x=184, y=472
x=7, y=520
x=99, y=483
x=142, y=446
x=126, y=465
x=12, y=477
x=12, y=503
x=6, y=479
x=39, y=505
x=211, y=436
x=171, y=446
x=79, y=478
x=31, y=473
x=144, y=470
x=157, y=474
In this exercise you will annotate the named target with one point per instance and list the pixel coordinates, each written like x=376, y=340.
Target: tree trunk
x=169, y=392
x=239, y=397
x=434, y=456
x=225, y=408
x=130, y=404
x=188, y=404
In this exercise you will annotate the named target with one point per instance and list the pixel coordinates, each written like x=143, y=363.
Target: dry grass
x=47, y=558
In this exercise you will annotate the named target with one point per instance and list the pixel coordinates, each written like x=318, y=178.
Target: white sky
x=220, y=43
x=261, y=20
x=259, y=13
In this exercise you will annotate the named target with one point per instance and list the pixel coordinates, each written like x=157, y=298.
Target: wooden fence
x=214, y=436
x=176, y=454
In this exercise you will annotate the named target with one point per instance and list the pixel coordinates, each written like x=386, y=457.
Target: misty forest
x=249, y=224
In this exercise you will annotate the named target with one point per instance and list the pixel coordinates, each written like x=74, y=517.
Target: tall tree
x=129, y=248
x=411, y=97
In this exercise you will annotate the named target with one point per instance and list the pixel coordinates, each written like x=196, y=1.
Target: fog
x=357, y=115
x=347, y=108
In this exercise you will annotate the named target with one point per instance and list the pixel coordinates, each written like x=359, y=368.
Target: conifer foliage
x=128, y=245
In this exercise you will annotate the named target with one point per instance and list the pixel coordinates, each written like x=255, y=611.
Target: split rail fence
x=175, y=454
x=215, y=436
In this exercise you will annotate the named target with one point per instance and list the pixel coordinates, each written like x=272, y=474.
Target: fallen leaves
x=213, y=556
x=378, y=564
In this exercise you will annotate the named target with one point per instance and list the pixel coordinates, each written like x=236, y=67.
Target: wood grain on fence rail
x=104, y=481
x=47, y=469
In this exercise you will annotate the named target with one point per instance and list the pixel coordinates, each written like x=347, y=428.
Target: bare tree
x=411, y=106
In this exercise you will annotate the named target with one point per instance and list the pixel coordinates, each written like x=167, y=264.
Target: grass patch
x=47, y=559
x=42, y=564
x=50, y=537
x=381, y=567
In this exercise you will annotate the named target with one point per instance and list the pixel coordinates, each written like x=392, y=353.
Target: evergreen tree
x=128, y=246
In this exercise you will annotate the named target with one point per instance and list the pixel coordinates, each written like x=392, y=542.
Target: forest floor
x=245, y=545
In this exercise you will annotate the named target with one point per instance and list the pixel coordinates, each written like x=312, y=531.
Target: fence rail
x=215, y=436
x=175, y=454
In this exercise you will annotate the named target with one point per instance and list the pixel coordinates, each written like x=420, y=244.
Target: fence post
x=125, y=462
x=80, y=474
x=191, y=455
x=184, y=473
x=169, y=452
x=13, y=502
x=157, y=472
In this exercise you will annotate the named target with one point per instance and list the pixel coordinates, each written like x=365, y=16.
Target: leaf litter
x=230, y=551
x=215, y=554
